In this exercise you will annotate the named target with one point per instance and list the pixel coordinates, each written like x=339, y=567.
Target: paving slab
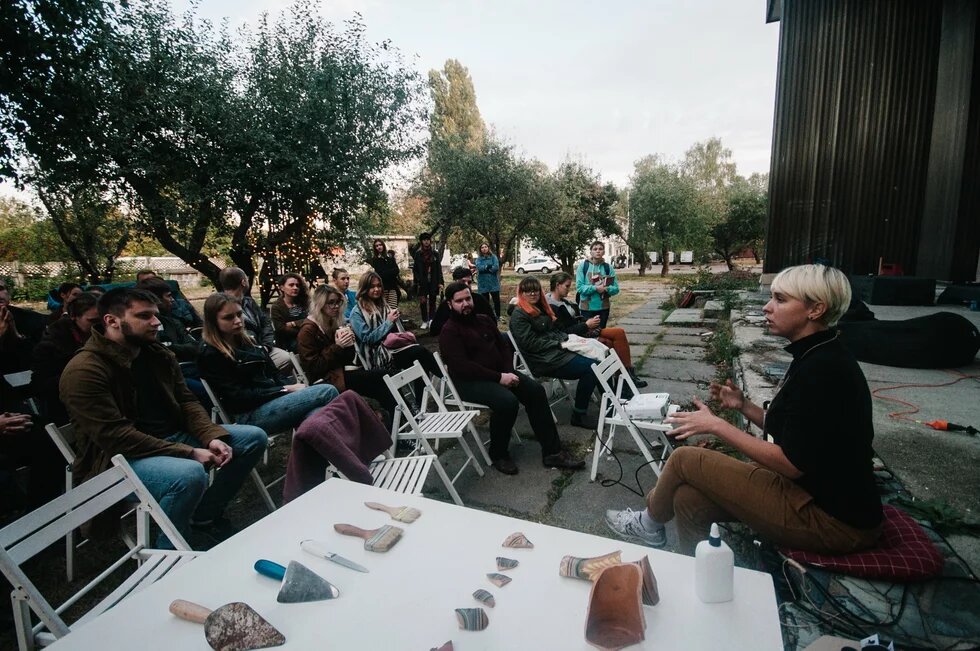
x=677, y=369
x=641, y=338
x=583, y=504
x=646, y=328
x=688, y=316
x=684, y=340
x=663, y=351
x=638, y=351
x=680, y=392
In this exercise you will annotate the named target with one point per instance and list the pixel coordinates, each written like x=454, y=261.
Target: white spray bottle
x=714, y=569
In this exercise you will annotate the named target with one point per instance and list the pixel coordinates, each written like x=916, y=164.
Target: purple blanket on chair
x=346, y=433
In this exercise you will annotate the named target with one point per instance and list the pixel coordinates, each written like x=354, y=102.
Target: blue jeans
x=290, y=409
x=579, y=368
x=181, y=485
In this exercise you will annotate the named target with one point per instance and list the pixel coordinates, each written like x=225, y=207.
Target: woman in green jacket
x=533, y=326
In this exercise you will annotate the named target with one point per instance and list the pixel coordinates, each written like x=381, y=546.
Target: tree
x=585, y=210
x=93, y=230
x=26, y=235
x=744, y=224
x=663, y=209
x=455, y=124
x=488, y=191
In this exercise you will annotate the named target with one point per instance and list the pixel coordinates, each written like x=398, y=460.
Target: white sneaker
x=425, y=325
x=627, y=525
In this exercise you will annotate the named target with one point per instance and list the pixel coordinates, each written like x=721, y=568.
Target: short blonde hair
x=816, y=283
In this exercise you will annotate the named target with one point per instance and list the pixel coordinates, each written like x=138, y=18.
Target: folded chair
x=432, y=421
x=298, y=371
x=25, y=538
x=220, y=415
x=559, y=387
x=614, y=411
x=451, y=398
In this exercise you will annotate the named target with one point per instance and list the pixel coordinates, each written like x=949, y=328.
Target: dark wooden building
x=876, y=138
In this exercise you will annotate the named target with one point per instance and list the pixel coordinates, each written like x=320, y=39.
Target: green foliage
x=26, y=235
x=744, y=223
x=664, y=211
x=211, y=138
x=488, y=191
x=586, y=209
x=455, y=118
x=93, y=230
x=703, y=279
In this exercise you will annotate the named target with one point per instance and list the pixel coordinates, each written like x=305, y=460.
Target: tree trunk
x=666, y=262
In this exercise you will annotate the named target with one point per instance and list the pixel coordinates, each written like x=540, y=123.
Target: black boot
x=640, y=383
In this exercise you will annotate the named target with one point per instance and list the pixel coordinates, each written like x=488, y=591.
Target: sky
x=603, y=83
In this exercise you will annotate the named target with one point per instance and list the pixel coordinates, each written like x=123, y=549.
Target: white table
x=407, y=600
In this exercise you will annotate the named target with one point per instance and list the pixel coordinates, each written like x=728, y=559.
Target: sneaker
x=425, y=325
x=637, y=380
x=505, y=465
x=563, y=461
x=219, y=529
x=627, y=525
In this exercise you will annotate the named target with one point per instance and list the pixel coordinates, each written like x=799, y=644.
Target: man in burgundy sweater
x=480, y=362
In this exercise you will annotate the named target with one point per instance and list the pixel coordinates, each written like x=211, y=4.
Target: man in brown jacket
x=126, y=395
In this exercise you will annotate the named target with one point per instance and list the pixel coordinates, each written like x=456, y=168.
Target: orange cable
x=912, y=408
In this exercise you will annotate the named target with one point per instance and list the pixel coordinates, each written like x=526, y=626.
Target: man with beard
x=480, y=362
x=125, y=394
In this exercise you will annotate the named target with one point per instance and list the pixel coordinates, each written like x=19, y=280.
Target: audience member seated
x=20, y=331
x=813, y=487
x=341, y=282
x=540, y=340
x=290, y=309
x=61, y=297
x=244, y=377
x=372, y=322
x=325, y=346
x=570, y=320
x=182, y=309
x=258, y=324
x=480, y=304
x=59, y=344
x=384, y=264
x=172, y=333
x=23, y=442
x=126, y=395
x=480, y=362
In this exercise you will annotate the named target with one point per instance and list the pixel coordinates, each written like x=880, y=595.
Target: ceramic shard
x=472, y=619
x=485, y=597
x=518, y=540
x=587, y=568
x=504, y=564
x=651, y=593
x=499, y=580
x=615, y=616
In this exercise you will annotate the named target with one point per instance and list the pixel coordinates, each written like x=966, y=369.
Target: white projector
x=648, y=406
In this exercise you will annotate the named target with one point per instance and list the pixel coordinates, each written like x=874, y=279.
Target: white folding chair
x=19, y=380
x=220, y=415
x=428, y=423
x=613, y=413
x=559, y=387
x=398, y=474
x=26, y=537
x=298, y=371
x=451, y=398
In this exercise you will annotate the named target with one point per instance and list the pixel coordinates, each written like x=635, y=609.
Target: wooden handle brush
x=375, y=540
x=398, y=513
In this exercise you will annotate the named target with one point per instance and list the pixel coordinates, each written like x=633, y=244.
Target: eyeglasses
x=334, y=303
x=531, y=292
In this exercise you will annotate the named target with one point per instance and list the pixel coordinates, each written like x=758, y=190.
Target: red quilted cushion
x=904, y=553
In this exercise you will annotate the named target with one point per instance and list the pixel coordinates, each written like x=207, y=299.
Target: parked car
x=537, y=264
